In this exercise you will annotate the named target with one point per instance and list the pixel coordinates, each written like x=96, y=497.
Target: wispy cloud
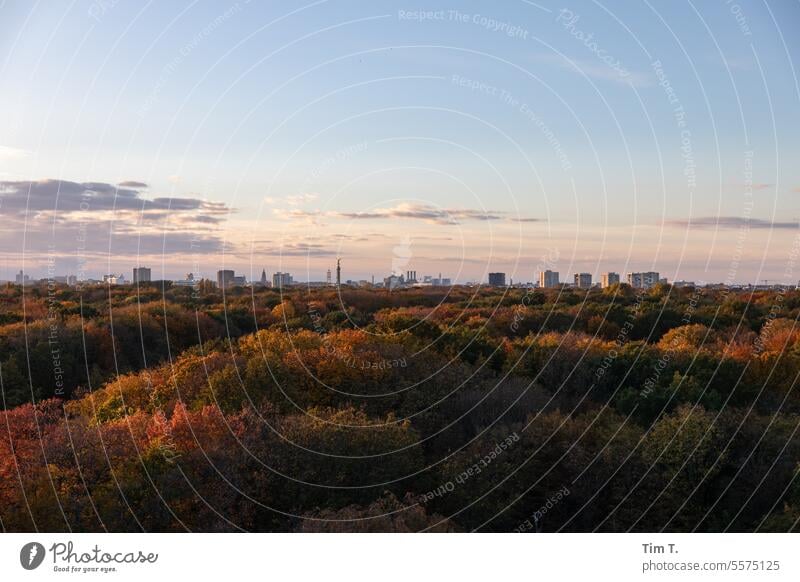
x=595, y=70
x=728, y=222
x=427, y=213
x=736, y=63
x=294, y=249
x=293, y=200
x=9, y=153
x=424, y=212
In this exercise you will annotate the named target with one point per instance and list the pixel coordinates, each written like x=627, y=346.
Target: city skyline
x=224, y=278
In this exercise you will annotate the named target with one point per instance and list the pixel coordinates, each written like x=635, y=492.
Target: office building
x=609, y=279
x=643, y=280
x=280, y=280
x=497, y=279
x=548, y=279
x=225, y=278
x=21, y=278
x=583, y=280
x=141, y=275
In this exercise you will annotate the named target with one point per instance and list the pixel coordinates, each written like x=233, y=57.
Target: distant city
x=228, y=279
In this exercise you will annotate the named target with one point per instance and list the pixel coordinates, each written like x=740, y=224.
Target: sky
x=458, y=138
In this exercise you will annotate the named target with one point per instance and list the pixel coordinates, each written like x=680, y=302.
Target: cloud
x=9, y=153
x=736, y=63
x=732, y=222
x=24, y=197
x=294, y=200
x=424, y=212
x=292, y=249
x=595, y=70
x=199, y=219
x=301, y=199
x=68, y=218
x=311, y=217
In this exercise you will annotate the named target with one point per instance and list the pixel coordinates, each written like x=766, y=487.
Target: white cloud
x=595, y=70
x=9, y=153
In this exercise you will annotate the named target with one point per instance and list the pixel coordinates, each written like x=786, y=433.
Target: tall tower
x=263, y=277
x=338, y=272
x=328, y=278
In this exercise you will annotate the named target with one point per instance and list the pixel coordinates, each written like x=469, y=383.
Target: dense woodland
x=173, y=409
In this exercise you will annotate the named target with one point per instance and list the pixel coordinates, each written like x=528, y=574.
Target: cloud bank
x=91, y=219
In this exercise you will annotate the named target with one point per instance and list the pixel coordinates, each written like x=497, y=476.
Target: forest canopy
x=456, y=409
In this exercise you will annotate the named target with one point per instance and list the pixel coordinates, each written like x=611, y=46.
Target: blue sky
x=466, y=137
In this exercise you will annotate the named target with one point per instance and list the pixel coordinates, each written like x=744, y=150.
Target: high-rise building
x=328, y=277
x=264, y=281
x=141, y=275
x=21, y=278
x=548, y=279
x=338, y=272
x=643, y=280
x=225, y=278
x=280, y=280
x=497, y=279
x=583, y=280
x=609, y=279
